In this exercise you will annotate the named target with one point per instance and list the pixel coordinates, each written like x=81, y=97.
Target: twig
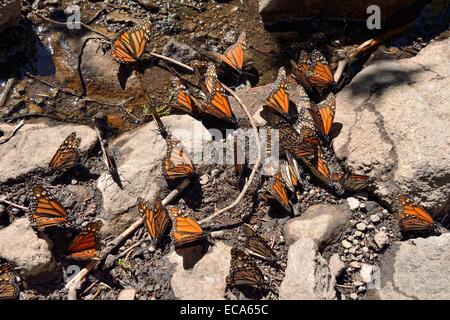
x=125, y=252
x=340, y=70
x=178, y=63
x=78, y=279
x=65, y=24
x=9, y=85
x=9, y=136
x=255, y=166
x=14, y=205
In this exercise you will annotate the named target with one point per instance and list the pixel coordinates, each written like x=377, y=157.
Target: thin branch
x=340, y=70
x=12, y=204
x=255, y=166
x=65, y=24
x=9, y=136
x=178, y=63
x=9, y=85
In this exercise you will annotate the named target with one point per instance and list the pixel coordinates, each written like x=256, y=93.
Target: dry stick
x=76, y=281
x=65, y=24
x=340, y=70
x=255, y=166
x=9, y=85
x=9, y=136
x=12, y=204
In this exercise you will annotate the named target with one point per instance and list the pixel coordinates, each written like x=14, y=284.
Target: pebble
x=204, y=179
x=358, y=234
x=370, y=226
x=355, y=242
x=346, y=244
x=15, y=211
x=2, y=209
x=215, y=173
x=353, y=203
x=381, y=239
x=361, y=226
x=375, y=218
x=355, y=265
x=354, y=296
x=151, y=249
x=127, y=294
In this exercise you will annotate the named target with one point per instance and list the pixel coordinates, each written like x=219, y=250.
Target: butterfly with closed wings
x=129, y=44
x=257, y=246
x=9, y=290
x=244, y=271
x=176, y=163
x=45, y=211
x=67, y=155
x=156, y=218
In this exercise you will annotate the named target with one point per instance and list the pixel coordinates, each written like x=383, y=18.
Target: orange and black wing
x=234, y=55
x=185, y=229
x=210, y=77
x=319, y=168
x=129, y=44
x=185, y=102
x=276, y=189
x=413, y=217
x=314, y=69
x=244, y=271
x=176, y=163
x=300, y=145
x=351, y=182
x=86, y=245
x=8, y=287
x=66, y=157
x=257, y=245
x=156, y=218
x=217, y=104
x=323, y=114
x=278, y=98
x=45, y=210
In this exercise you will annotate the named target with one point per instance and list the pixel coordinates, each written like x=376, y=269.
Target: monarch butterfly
x=109, y=161
x=278, y=98
x=129, y=44
x=276, y=190
x=156, y=218
x=244, y=271
x=323, y=114
x=413, y=217
x=320, y=168
x=234, y=55
x=176, y=163
x=86, y=245
x=8, y=287
x=217, y=103
x=45, y=210
x=351, y=182
x=290, y=173
x=256, y=245
x=185, y=229
x=66, y=157
x=185, y=101
x=301, y=142
x=314, y=73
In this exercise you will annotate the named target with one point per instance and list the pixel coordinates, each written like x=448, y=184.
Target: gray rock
x=127, y=294
x=337, y=266
x=375, y=218
x=346, y=244
x=415, y=90
x=9, y=13
x=140, y=153
x=415, y=269
x=206, y=280
x=30, y=253
x=361, y=226
x=308, y=276
x=179, y=51
x=323, y=223
x=381, y=239
x=45, y=137
x=353, y=203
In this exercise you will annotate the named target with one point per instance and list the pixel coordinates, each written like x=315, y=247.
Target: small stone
x=336, y=265
x=355, y=242
x=204, y=179
x=127, y=294
x=358, y=283
x=346, y=244
x=358, y=234
x=215, y=173
x=370, y=226
x=353, y=203
x=352, y=250
x=375, y=218
x=361, y=226
x=381, y=239
x=354, y=296
x=355, y=265
x=151, y=249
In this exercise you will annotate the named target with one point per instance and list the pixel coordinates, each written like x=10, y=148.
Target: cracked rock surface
x=395, y=120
